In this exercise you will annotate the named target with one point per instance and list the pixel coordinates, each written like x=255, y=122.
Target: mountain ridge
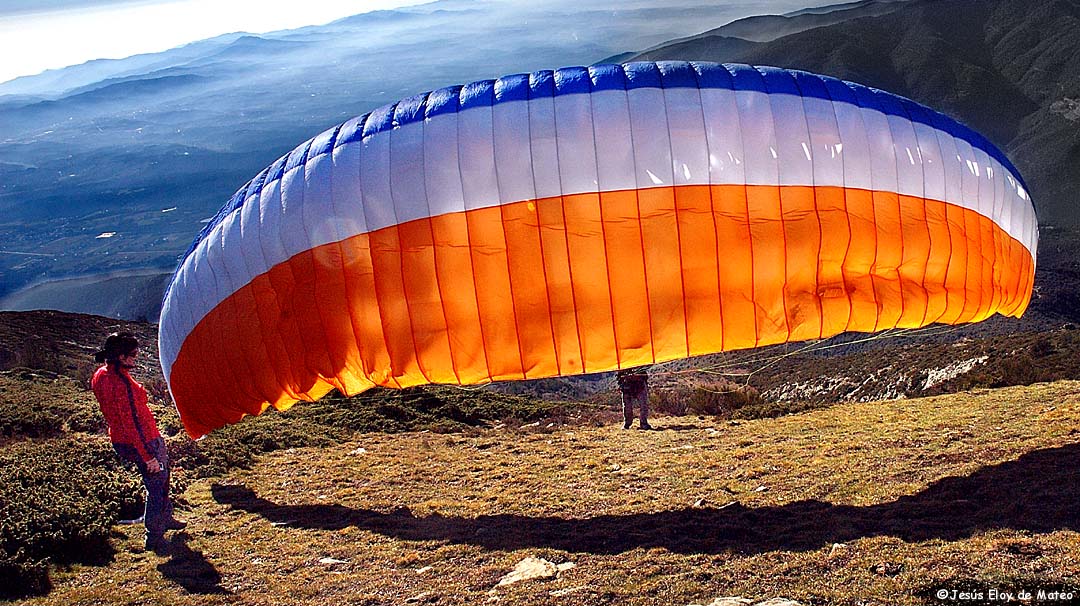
x=52, y=82
x=996, y=66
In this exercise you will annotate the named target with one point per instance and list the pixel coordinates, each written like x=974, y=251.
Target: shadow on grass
x=676, y=427
x=1037, y=492
x=190, y=569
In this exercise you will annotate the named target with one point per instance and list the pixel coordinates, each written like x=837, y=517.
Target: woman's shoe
x=158, y=545
x=174, y=524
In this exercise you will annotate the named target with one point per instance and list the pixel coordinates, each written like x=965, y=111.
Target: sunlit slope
x=876, y=502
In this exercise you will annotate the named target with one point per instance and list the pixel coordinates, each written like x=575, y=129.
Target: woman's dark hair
x=116, y=345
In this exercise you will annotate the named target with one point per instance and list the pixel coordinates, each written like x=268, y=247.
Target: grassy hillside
x=863, y=503
x=872, y=502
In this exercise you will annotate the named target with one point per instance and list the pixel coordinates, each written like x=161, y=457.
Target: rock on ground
x=534, y=568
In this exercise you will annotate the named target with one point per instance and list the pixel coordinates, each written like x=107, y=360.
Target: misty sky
x=36, y=35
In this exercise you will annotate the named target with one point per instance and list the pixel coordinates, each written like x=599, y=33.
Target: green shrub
x=29, y=422
x=58, y=500
x=236, y=446
x=715, y=398
x=37, y=407
x=86, y=420
x=764, y=409
x=23, y=576
x=433, y=407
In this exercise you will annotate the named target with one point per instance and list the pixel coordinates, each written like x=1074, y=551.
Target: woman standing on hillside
x=134, y=433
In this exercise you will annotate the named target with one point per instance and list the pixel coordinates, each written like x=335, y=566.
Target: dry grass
x=865, y=503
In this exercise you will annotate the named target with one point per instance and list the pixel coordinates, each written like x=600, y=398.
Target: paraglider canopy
x=589, y=219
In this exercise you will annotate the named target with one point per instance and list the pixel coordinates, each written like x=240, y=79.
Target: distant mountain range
x=1010, y=70
x=113, y=166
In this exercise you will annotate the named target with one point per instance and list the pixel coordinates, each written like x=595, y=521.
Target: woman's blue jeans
x=158, y=506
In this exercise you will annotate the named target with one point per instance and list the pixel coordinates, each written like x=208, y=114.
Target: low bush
x=765, y=409
x=158, y=389
x=29, y=422
x=58, y=500
x=86, y=420
x=716, y=398
x=23, y=576
x=237, y=446
x=37, y=407
x=431, y=407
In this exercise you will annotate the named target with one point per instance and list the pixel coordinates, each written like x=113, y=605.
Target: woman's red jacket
x=123, y=404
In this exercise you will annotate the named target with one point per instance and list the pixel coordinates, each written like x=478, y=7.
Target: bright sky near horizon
x=40, y=35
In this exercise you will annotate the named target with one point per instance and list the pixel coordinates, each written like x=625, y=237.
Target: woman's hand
x=154, y=466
